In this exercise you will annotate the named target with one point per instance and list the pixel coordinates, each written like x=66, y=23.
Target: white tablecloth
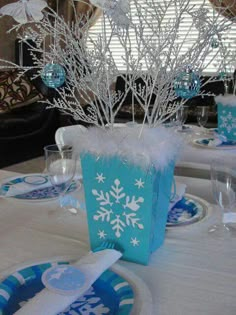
x=191, y=274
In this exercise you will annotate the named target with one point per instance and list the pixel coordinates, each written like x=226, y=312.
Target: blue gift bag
x=227, y=121
x=126, y=204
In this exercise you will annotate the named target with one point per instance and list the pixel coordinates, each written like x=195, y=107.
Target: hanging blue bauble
x=53, y=75
x=223, y=75
x=214, y=43
x=187, y=84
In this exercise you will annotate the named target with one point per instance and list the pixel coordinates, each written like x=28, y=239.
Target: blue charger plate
x=188, y=210
x=110, y=294
x=39, y=194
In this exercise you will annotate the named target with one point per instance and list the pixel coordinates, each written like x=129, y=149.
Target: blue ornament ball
x=53, y=75
x=187, y=84
x=222, y=75
x=215, y=43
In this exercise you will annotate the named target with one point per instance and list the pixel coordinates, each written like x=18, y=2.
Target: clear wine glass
x=181, y=117
x=60, y=163
x=202, y=116
x=223, y=180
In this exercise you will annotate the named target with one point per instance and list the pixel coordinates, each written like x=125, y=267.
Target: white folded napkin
x=48, y=302
x=178, y=191
x=215, y=143
x=219, y=139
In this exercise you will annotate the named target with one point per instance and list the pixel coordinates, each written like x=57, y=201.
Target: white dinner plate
x=203, y=143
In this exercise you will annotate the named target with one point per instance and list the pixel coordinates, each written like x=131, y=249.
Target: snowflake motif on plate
x=45, y=193
x=118, y=209
x=228, y=121
x=179, y=215
x=86, y=305
x=185, y=211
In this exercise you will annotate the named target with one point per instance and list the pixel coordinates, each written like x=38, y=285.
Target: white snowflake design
x=102, y=234
x=139, y=183
x=100, y=178
x=123, y=219
x=228, y=121
x=86, y=305
x=134, y=241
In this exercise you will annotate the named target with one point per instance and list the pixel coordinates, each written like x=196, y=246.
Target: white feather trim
x=226, y=100
x=156, y=146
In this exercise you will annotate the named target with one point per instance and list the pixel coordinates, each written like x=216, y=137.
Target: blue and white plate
x=36, y=180
x=188, y=210
x=203, y=142
x=110, y=294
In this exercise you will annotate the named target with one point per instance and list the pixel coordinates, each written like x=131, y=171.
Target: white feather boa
x=156, y=146
x=226, y=100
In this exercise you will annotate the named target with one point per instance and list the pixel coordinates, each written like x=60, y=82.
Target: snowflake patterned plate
x=229, y=145
x=41, y=187
x=110, y=294
x=190, y=209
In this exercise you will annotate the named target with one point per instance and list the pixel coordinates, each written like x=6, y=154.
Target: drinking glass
x=181, y=117
x=202, y=116
x=223, y=180
x=60, y=163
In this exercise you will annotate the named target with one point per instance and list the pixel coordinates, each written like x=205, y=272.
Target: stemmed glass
x=202, y=116
x=181, y=116
x=60, y=161
x=223, y=180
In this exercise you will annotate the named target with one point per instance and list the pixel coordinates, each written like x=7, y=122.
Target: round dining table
x=192, y=273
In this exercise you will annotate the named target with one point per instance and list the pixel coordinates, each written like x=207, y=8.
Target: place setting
x=224, y=136
x=32, y=187
x=215, y=143
x=61, y=180
x=65, y=285
x=102, y=296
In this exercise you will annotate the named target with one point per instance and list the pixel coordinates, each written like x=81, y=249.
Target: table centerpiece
x=226, y=110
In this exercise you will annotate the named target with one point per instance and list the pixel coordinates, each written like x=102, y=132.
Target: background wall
x=7, y=41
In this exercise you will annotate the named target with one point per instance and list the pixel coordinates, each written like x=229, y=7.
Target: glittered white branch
x=91, y=70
